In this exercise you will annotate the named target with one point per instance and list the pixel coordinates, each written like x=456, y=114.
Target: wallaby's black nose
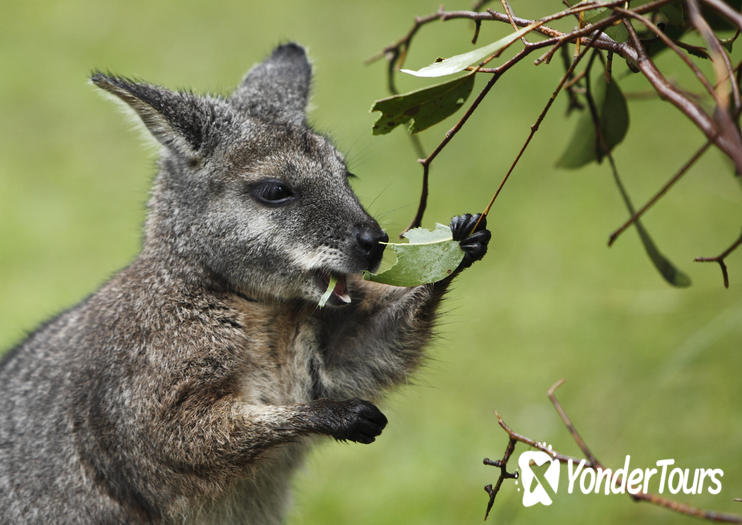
x=369, y=239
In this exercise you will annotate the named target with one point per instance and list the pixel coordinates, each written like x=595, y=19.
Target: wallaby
x=189, y=386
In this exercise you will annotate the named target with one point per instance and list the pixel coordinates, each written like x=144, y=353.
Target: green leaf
x=460, y=62
x=613, y=114
x=328, y=292
x=423, y=107
x=671, y=274
x=429, y=257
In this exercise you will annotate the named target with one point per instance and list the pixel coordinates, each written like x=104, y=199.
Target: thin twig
x=718, y=128
x=570, y=426
x=655, y=499
x=685, y=167
x=672, y=45
x=634, y=54
x=533, y=443
x=727, y=42
x=534, y=129
x=726, y=80
x=720, y=259
x=504, y=474
x=725, y=10
x=691, y=110
x=417, y=144
x=514, y=438
x=576, y=78
x=570, y=87
x=509, y=12
x=477, y=27
x=451, y=133
x=576, y=35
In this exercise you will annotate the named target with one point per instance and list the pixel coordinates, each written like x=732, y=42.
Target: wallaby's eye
x=271, y=192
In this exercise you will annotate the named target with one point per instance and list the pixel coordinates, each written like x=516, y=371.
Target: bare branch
x=404, y=42
x=720, y=259
x=451, y=133
x=660, y=193
x=720, y=128
x=725, y=80
x=570, y=426
x=672, y=45
x=725, y=10
x=691, y=110
x=509, y=12
x=534, y=129
x=504, y=474
x=592, y=463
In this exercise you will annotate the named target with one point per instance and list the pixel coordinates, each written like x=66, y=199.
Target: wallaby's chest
x=281, y=348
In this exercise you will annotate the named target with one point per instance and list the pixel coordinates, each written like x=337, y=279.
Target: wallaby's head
x=247, y=190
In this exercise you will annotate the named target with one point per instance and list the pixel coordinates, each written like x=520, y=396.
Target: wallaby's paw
x=358, y=421
x=474, y=245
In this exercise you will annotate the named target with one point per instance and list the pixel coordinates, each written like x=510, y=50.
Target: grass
x=651, y=371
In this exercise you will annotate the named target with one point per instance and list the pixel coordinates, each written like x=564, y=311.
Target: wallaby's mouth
x=339, y=296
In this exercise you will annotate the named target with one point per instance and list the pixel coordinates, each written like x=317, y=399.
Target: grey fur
x=187, y=388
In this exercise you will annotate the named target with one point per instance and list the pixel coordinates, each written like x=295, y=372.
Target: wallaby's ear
x=177, y=120
x=278, y=87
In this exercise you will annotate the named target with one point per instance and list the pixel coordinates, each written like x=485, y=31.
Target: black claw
x=355, y=420
x=474, y=245
x=461, y=225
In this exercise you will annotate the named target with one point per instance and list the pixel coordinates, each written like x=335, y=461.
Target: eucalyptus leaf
x=454, y=64
x=326, y=296
x=613, y=115
x=667, y=269
x=429, y=256
x=424, y=107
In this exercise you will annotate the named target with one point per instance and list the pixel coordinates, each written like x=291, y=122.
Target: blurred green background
x=651, y=371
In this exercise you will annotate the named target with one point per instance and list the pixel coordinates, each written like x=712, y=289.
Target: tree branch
x=720, y=259
x=672, y=45
x=697, y=155
x=720, y=128
x=691, y=110
x=591, y=463
x=451, y=133
x=725, y=10
x=534, y=129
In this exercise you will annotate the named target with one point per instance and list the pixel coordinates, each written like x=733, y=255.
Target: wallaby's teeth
x=341, y=291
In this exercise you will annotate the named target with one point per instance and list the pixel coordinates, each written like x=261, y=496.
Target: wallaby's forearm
x=384, y=343
x=203, y=444
x=229, y=433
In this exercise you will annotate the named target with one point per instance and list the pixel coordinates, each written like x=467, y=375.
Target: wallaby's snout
x=369, y=239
